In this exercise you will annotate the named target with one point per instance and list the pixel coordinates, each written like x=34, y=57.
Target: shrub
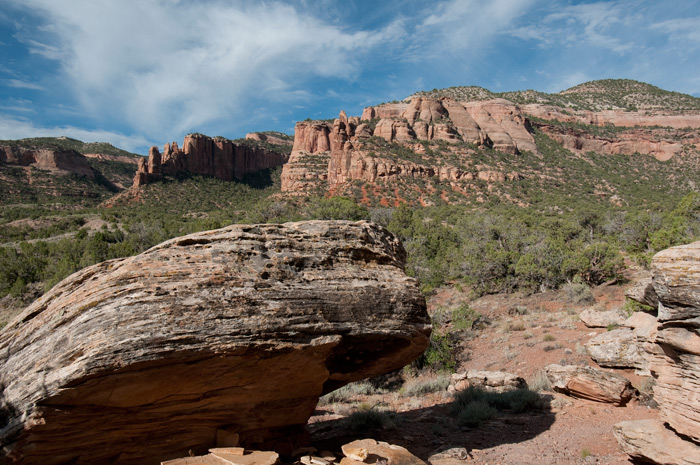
x=473, y=406
x=440, y=354
x=463, y=317
x=369, y=420
x=539, y=382
x=419, y=387
x=578, y=293
x=347, y=392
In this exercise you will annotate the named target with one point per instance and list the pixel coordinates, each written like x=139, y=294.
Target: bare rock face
x=56, y=161
x=650, y=441
x=218, y=157
x=673, y=353
x=590, y=383
x=498, y=124
x=675, y=358
x=594, y=318
x=491, y=381
x=237, y=331
x=644, y=293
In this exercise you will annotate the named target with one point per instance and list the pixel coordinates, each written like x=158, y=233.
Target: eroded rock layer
x=672, y=350
x=340, y=152
x=217, y=157
x=240, y=329
x=58, y=161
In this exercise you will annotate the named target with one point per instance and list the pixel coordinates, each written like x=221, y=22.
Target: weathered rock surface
x=673, y=352
x=229, y=456
x=618, y=348
x=594, y=318
x=651, y=441
x=217, y=157
x=644, y=293
x=56, y=161
x=239, y=329
x=492, y=381
x=369, y=451
x=341, y=146
x=590, y=383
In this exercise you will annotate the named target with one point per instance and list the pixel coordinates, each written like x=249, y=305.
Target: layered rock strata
x=673, y=346
x=237, y=331
x=336, y=153
x=217, y=157
x=57, y=161
x=590, y=383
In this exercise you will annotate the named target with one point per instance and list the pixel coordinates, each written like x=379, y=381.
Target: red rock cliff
x=57, y=161
x=217, y=157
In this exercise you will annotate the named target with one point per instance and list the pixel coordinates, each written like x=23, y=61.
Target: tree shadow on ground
x=425, y=431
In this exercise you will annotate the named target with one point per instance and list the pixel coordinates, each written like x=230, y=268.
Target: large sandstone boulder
x=618, y=348
x=590, y=383
x=237, y=330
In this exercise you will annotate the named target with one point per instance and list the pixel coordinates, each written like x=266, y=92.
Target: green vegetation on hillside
x=66, y=143
x=612, y=94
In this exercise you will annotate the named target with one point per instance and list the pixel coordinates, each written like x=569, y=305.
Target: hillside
x=62, y=172
x=493, y=194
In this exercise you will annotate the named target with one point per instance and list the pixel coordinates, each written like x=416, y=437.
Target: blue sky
x=138, y=73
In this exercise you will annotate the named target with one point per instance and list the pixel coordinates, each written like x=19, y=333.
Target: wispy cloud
x=686, y=30
x=165, y=65
x=16, y=83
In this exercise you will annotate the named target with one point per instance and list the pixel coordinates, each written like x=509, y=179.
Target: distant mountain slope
x=62, y=171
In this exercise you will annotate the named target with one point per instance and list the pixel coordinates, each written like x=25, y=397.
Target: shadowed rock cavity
x=241, y=329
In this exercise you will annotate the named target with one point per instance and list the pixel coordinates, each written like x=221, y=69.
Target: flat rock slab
x=590, y=383
x=651, y=441
x=369, y=451
x=241, y=329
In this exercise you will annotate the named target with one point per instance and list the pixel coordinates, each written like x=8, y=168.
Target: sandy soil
x=565, y=431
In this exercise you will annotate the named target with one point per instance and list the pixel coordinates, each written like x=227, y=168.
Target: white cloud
x=167, y=66
x=590, y=24
x=465, y=24
x=681, y=29
x=18, y=84
x=14, y=128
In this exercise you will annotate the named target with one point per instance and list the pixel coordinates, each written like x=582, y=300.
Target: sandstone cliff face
x=673, y=350
x=220, y=158
x=57, y=161
x=237, y=330
x=348, y=153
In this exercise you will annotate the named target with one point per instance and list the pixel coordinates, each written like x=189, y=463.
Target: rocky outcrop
x=595, y=318
x=650, y=441
x=58, y=161
x=232, y=333
x=618, y=348
x=218, y=157
x=673, y=345
x=344, y=148
x=496, y=123
x=376, y=452
x=590, y=383
x=491, y=381
x=273, y=138
x=661, y=144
